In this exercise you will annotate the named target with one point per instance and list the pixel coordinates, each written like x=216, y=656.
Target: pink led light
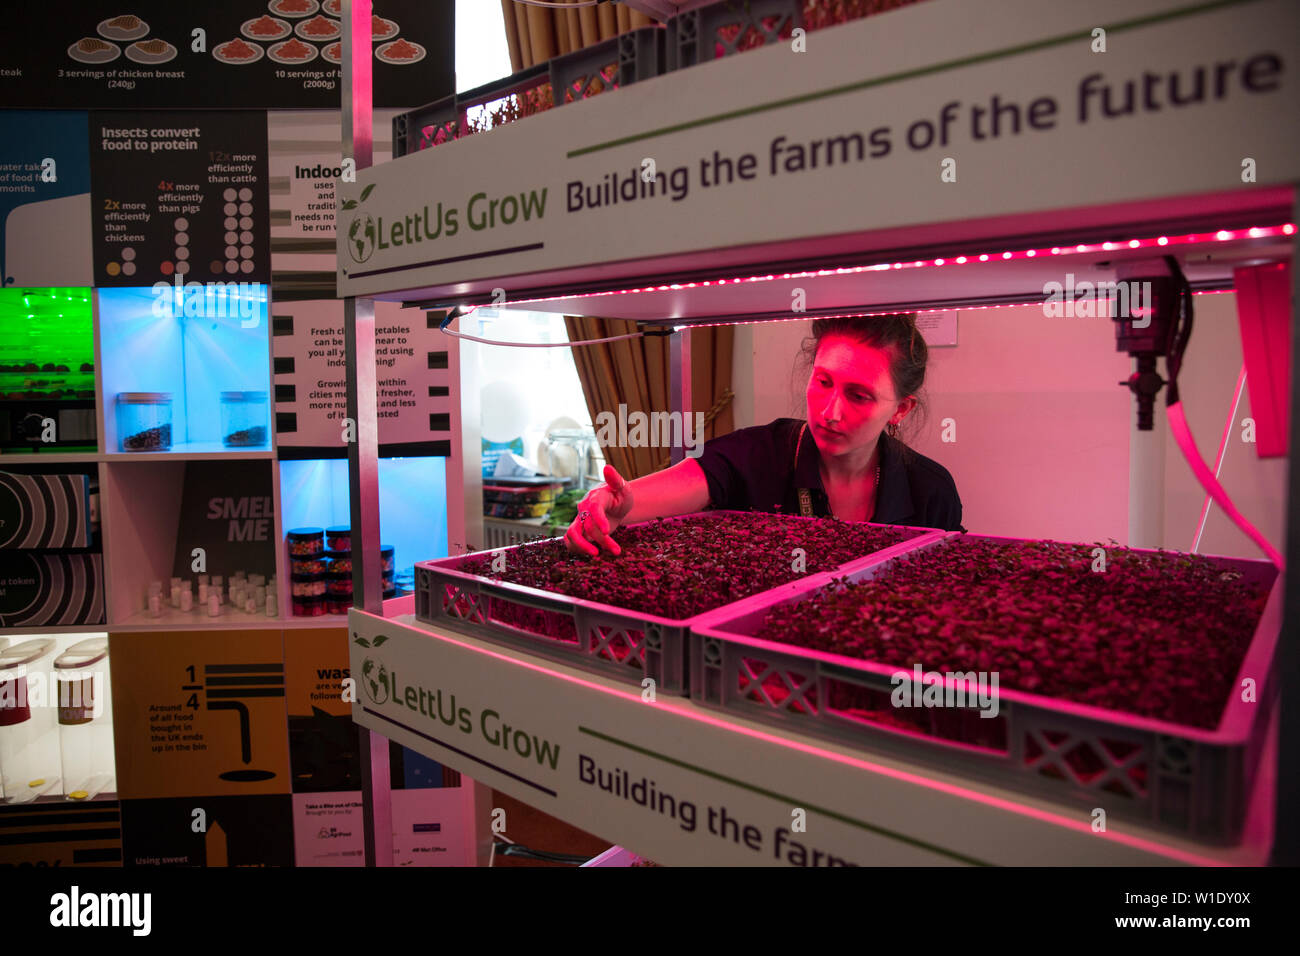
x=1254, y=232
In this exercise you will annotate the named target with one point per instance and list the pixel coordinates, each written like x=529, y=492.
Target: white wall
x=1043, y=427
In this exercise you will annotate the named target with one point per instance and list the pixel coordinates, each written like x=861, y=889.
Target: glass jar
x=305, y=541
x=308, y=564
x=337, y=605
x=340, y=562
x=309, y=606
x=339, y=585
x=243, y=419
x=307, y=585
x=144, y=421
x=386, y=559
x=339, y=538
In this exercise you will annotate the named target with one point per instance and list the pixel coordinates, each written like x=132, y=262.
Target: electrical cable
x=1182, y=432
x=518, y=849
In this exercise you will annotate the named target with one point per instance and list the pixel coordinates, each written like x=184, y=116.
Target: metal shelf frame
x=363, y=483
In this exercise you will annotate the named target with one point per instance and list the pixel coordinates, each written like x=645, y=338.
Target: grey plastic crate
x=617, y=642
x=619, y=61
x=1187, y=780
x=709, y=33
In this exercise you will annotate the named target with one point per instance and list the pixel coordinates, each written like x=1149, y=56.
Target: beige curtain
x=635, y=372
x=535, y=34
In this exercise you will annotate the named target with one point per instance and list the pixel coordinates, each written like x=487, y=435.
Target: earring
x=892, y=429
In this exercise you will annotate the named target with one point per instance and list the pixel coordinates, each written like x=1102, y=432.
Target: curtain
x=535, y=34
x=635, y=373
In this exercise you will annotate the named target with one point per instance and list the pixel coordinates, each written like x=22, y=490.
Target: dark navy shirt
x=754, y=469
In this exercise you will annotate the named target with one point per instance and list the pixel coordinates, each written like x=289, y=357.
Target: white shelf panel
x=865, y=806
x=192, y=451
x=90, y=630
x=229, y=618
x=55, y=458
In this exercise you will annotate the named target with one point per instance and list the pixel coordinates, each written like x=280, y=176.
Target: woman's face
x=850, y=396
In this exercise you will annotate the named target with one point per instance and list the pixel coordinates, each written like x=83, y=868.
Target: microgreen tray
x=630, y=644
x=1195, y=780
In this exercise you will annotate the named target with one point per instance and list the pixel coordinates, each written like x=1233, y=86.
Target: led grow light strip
x=1144, y=242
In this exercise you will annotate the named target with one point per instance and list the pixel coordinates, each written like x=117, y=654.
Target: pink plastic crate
x=626, y=644
x=1190, y=780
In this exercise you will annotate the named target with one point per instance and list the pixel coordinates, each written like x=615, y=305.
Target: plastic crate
x=728, y=27
x=617, y=642
x=1192, y=781
x=619, y=61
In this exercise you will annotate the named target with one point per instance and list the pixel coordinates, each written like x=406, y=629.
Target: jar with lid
x=309, y=606
x=339, y=585
x=339, y=538
x=305, y=541
x=386, y=559
x=144, y=421
x=244, y=419
x=340, y=562
x=308, y=564
x=85, y=719
x=306, y=585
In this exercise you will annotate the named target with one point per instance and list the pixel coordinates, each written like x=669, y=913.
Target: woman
x=844, y=461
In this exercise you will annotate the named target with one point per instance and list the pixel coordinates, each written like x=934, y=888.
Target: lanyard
x=805, y=495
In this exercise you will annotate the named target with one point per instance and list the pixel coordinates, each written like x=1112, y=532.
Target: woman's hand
x=599, y=514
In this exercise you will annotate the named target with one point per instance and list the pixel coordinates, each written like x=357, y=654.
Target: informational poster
x=228, y=512
x=281, y=54
x=431, y=827
x=203, y=714
x=44, y=198
x=179, y=197
x=311, y=381
x=208, y=831
x=63, y=833
x=328, y=829
x=324, y=749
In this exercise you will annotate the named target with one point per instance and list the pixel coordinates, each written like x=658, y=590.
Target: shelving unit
x=1078, y=192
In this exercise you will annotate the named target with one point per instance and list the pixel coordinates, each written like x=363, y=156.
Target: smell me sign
x=249, y=518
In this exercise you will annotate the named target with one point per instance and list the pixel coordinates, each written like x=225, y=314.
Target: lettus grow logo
x=363, y=234
x=374, y=674
x=374, y=677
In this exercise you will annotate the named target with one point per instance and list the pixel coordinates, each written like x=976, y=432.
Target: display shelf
x=191, y=451
x=229, y=619
x=864, y=806
x=53, y=458
x=194, y=356
x=90, y=630
x=155, y=513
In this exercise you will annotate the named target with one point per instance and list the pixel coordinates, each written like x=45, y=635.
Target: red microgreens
x=1161, y=635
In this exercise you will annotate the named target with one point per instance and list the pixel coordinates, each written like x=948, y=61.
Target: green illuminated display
x=47, y=347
